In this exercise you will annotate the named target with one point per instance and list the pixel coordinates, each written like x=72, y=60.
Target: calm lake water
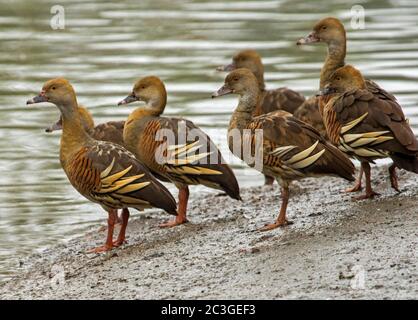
x=106, y=45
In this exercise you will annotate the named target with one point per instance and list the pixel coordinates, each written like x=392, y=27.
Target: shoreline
x=332, y=246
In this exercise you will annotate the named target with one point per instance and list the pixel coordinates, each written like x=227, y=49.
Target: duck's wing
x=308, y=112
x=111, y=131
x=378, y=91
x=290, y=144
x=186, y=155
x=363, y=121
x=110, y=175
x=280, y=99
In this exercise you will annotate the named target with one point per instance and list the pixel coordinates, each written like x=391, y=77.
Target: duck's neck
x=334, y=60
x=242, y=115
x=153, y=108
x=74, y=134
x=259, y=74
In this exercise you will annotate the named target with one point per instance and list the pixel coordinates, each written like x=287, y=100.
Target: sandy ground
x=336, y=249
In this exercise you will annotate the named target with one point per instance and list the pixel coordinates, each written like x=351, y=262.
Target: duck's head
x=148, y=89
x=86, y=121
x=248, y=59
x=344, y=79
x=326, y=30
x=240, y=81
x=58, y=91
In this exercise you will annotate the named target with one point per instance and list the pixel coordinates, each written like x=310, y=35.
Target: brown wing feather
x=108, y=174
x=309, y=113
x=194, y=161
x=111, y=131
x=279, y=99
x=383, y=115
x=296, y=149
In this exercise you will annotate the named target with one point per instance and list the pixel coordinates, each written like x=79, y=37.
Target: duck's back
x=309, y=112
x=368, y=125
x=279, y=99
x=111, y=131
x=179, y=151
x=293, y=149
x=108, y=174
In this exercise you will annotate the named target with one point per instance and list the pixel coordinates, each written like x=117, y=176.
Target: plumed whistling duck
x=271, y=100
x=332, y=32
x=103, y=172
x=291, y=149
x=111, y=131
x=368, y=126
x=174, y=149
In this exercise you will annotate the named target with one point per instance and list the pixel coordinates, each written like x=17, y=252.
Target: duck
x=288, y=149
x=103, y=172
x=367, y=126
x=275, y=99
x=174, y=149
x=111, y=131
x=331, y=31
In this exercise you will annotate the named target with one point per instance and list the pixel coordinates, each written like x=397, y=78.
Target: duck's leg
x=281, y=219
x=121, y=237
x=110, y=227
x=118, y=221
x=357, y=186
x=268, y=181
x=369, y=191
x=182, y=209
x=393, y=177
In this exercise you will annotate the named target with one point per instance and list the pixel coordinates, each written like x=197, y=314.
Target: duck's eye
x=324, y=27
x=338, y=78
x=143, y=87
x=235, y=79
x=53, y=88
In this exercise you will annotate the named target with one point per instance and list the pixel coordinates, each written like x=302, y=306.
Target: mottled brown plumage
x=174, y=149
x=274, y=99
x=368, y=125
x=332, y=32
x=291, y=149
x=309, y=112
x=271, y=100
x=103, y=172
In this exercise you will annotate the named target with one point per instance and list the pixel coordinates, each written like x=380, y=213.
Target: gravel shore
x=337, y=248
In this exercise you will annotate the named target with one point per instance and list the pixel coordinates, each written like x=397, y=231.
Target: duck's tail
x=407, y=162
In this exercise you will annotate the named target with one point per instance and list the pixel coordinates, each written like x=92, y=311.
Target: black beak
x=128, y=99
x=327, y=91
x=227, y=67
x=38, y=99
x=56, y=126
x=222, y=91
x=309, y=39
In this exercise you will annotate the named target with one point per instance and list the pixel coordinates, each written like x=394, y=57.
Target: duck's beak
x=222, y=91
x=326, y=91
x=38, y=99
x=309, y=39
x=56, y=126
x=227, y=67
x=128, y=99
